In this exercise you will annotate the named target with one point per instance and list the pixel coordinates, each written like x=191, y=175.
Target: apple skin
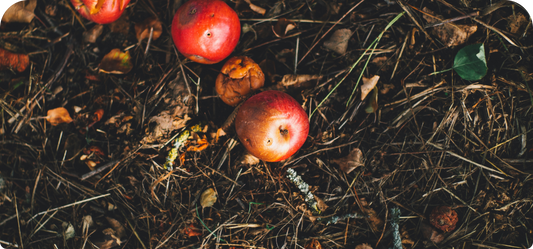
x=100, y=11
x=272, y=125
x=205, y=31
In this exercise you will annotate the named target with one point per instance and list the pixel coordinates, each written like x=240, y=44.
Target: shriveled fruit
x=443, y=218
x=239, y=77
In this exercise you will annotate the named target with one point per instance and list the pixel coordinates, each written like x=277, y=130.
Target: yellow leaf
x=208, y=198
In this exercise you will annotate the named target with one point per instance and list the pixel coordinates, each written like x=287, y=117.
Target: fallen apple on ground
x=272, y=125
x=238, y=79
x=205, y=31
x=100, y=11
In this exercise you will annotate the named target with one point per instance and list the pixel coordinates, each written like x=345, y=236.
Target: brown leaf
x=58, y=116
x=363, y=246
x=351, y=161
x=208, y=198
x=368, y=85
x=373, y=219
x=92, y=34
x=116, y=62
x=296, y=80
x=256, y=8
x=338, y=42
x=16, y=62
x=516, y=22
x=142, y=29
x=282, y=27
x=372, y=105
x=313, y=244
x=449, y=33
x=249, y=159
x=20, y=12
x=117, y=227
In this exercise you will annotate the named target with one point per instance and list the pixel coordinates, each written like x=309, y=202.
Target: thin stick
x=18, y=222
x=68, y=205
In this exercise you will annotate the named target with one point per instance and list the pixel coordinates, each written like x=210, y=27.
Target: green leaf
x=470, y=62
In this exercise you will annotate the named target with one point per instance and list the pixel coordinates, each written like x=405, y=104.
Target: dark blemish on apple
x=192, y=12
x=269, y=142
x=208, y=34
x=212, y=15
x=283, y=132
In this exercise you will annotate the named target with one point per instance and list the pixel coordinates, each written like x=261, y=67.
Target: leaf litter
x=428, y=139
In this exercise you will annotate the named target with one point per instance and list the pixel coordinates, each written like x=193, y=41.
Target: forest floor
x=422, y=138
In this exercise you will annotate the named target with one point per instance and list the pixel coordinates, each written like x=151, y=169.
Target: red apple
x=100, y=11
x=205, y=31
x=272, y=125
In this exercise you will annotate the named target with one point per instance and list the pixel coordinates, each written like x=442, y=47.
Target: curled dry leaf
x=372, y=105
x=16, y=62
x=239, y=78
x=58, y=116
x=449, y=33
x=116, y=62
x=20, y=12
x=208, y=198
x=282, y=27
x=92, y=34
x=297, y=80
x=313, y=244
x=249, y=159
x=350, y=162
x=368, y=85
x=143, y=29
x=256, y=8
x=338, y=42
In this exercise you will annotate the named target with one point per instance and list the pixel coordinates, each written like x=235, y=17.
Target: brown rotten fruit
x=240, y=77
x=443, y=218
x=272, y=125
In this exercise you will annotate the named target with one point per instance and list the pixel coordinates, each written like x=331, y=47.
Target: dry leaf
x=449, y=33
x=92, y=34
x=322, y=206
x=351, y=161
x=58, y=116
x=116, y=62
x=313, y=244
x=201, y=144
x=249, y=159
x=20, y=12
x=363, y=246
x=373, y=219
x=282, y=27
x=16, y=62
x=142, y=29
x=295, y=80
x=256, y=8
x=516, y=22
x=368, y=85
x=117, y=227
x=191, y=230
x=338, y=42
x=372, y=105
x=208, y=198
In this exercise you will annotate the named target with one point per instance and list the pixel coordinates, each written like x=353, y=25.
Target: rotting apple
x=238, y=79
x=205, y=31
x=272, y=125
x=100, y=11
